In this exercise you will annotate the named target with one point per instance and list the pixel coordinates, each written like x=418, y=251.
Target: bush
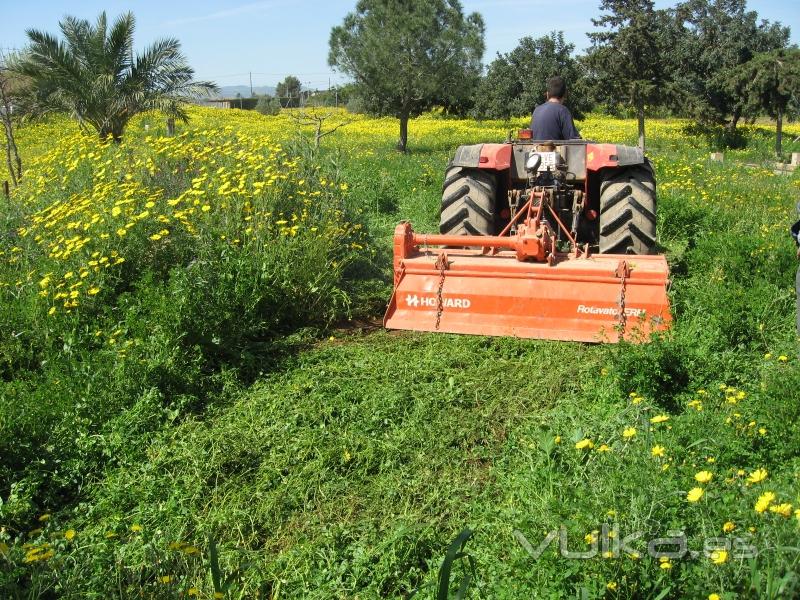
x=268, y=106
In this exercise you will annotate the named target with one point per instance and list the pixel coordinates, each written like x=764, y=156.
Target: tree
x=267, y=105
x=288, y=92
x=628, y=58
x=94, y=75
x=717, y=37
x=515, y=82
x=407, y=56
x=8, y=86
x=771, y=84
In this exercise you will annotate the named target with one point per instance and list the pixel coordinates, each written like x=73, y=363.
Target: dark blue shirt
x=796, y=233
x=553, y=121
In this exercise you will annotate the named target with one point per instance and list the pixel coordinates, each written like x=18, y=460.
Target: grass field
x=193, y=402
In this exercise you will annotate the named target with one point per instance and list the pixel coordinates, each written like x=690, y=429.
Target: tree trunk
x=640, y=117
x=403, y=141
x=14, y=162
x=737, y=114
x=778, y=133
x=171, y=126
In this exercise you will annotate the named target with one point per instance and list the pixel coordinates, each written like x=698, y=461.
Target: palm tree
x=94, y=75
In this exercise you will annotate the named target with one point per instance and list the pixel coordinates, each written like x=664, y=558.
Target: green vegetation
x=239, y=435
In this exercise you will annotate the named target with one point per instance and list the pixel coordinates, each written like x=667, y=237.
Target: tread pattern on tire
x=468, y=201
x=628, y=211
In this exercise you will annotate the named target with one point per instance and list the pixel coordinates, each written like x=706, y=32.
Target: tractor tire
x=628, y=211
x=468, y=202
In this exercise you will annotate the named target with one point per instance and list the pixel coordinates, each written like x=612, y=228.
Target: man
x=796, y=235
x=552, y=120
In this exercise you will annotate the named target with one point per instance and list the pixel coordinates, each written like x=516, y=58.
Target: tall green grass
x=270, y=449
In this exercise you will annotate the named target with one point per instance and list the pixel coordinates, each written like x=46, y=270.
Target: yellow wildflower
x=785, y=509
x=584, y=443
x=694, y=494
x=657, y=450
x=728, y=526
x=757, y=476
x=704, y=476
x=763, y=502
x=629, y=432
x=719, y=557
x=659, y=419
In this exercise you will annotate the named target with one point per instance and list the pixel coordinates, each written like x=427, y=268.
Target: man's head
x=556, y=88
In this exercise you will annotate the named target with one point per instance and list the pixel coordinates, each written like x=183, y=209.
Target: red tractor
x=605, y=193
x=538, y=239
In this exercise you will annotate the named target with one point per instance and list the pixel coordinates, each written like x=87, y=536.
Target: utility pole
x=251, y=84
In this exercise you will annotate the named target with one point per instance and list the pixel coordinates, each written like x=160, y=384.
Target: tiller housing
x=517, y=283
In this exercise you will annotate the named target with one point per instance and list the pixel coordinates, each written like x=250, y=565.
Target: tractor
x=537, y=239
x=605, y=192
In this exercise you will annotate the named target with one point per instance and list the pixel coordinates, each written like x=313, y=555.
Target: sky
x=227, y=41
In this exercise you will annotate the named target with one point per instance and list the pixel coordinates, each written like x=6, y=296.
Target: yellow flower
x=69, y=534
x=51, y=311
x=136, y=528
x=44, y=517
x=590, y=538
x=719, y=557
x=714, y=597
x=767, y=356
x=93, y=291
x=728, y=526
x=657, y=450
x=704, y=476
x=763, y=502
x=192, y=591
x=757, y=476
x=612, y=586
x=783, y=358
x=785, y=509
x=629, y=432
x=665, y=564
x=694, y=494
x=165, y=578
x=659, y=419
x=205, y=208
x=557, y=439
x=584, y=443
x=603, y=448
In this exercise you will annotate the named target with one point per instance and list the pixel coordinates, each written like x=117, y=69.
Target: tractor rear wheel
x=628, y=211
x=468, y=202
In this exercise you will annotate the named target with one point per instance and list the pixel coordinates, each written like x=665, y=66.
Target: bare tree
x=13, y=161
x=316, y=118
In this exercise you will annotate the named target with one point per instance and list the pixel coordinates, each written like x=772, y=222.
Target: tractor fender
x=483, y=156
x=612, y=155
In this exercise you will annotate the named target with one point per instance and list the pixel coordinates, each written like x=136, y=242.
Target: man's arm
x=568, y=129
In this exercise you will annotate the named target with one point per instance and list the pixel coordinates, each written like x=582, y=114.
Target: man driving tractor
x=552, y=120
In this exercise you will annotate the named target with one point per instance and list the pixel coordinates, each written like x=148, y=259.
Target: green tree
x=288, y=92
x=267, y=105
x=717, y=37
x=94, y=75
x=515, y=82
x=628, y=56
x=407, y=56
x=770, y=82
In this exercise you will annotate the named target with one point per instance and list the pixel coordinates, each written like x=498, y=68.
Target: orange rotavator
x=539, y=239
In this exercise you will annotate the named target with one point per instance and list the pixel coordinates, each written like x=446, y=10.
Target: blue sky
x=224, y=41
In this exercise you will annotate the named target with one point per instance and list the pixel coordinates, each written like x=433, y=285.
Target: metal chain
x=622, y=316
x=441, y=262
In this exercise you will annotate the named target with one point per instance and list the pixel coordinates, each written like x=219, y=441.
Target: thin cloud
x=244, y=9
